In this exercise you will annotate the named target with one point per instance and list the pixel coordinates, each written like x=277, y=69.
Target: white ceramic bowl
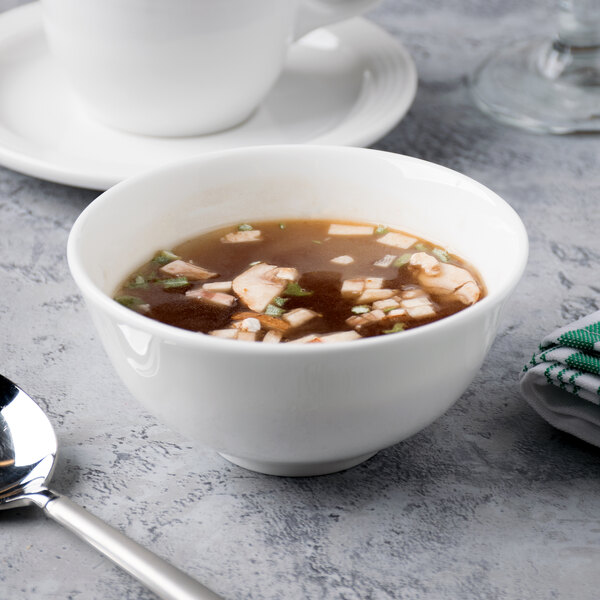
x=294, y=409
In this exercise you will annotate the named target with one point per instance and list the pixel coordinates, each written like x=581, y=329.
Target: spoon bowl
x=27, y=447
x=28, y=450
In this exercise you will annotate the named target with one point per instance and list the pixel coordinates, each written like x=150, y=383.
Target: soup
x=301, y=281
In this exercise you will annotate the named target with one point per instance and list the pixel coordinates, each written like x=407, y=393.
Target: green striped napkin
x=562, y=380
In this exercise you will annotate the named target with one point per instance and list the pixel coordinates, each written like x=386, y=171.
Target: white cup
x=179, y=67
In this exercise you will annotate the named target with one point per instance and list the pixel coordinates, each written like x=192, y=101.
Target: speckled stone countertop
x=489, y=502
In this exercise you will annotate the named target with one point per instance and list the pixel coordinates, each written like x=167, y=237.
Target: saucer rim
x=23, y=23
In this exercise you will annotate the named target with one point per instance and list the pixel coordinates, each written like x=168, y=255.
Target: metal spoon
x=27, y=455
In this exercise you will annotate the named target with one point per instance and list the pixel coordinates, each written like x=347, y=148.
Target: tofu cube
x=311, y=338
x=363, y=319
x=247, y=336
x=239, y=237
x=342, y=260
x=336, y=229
x=229, y=334
x=421, y=312
x=389, y=303
x=272, y=337
x=340, y=336
x=419, y=307
x=372, y=283
x=413, y=293
x=372, y=295
x=352, y=287
x=397, y=240
x=299, y=316
x=396, y=312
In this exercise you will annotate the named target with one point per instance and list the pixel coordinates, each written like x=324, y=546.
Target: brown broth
x=302, y=244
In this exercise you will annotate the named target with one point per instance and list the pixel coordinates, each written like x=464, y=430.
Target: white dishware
x=347, y=84
x=547, y=84
x=296, y=409
x=179, y=67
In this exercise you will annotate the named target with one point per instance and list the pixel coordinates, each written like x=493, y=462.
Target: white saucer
x=348, y=84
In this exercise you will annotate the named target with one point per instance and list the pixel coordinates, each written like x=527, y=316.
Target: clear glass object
x=547, y=85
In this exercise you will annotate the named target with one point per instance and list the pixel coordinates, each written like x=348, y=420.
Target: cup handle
x=318, y=13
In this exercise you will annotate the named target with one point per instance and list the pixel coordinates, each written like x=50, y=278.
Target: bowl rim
x=91, y=292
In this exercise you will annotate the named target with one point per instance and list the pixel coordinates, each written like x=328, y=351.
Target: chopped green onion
x=294, y=289
x=402, y=260
x=245, y=227
x=395, y=329
x=129, y=301
x=441, y=254
x=281, y=225
x=279, y=301
x=152, y=277
x=381, y=229
x=422, y=247
x=164, y=257
x=138, y=282
x=388, y=309
x=274, y=311
x=360, y=309
x=175, y=282
x=256, y=262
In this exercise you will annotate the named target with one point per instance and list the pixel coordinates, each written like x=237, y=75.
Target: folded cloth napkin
x=562, y=380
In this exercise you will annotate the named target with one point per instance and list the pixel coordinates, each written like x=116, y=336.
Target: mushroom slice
x=443, y=279
x=342, y=260
x=217, y=286
x=259, y=284
x=238, y=237
x=299, y=316
x=468, y=293
x=337, y=229
x=397, y=240
x=181, y=268
x=428, y=264
x=212, y=297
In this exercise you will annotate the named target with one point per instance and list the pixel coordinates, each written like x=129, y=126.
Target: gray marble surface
x=489, y=502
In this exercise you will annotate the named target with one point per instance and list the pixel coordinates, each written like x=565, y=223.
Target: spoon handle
x=158, y=575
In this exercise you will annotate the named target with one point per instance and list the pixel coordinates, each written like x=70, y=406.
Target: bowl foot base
x=297, y=469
